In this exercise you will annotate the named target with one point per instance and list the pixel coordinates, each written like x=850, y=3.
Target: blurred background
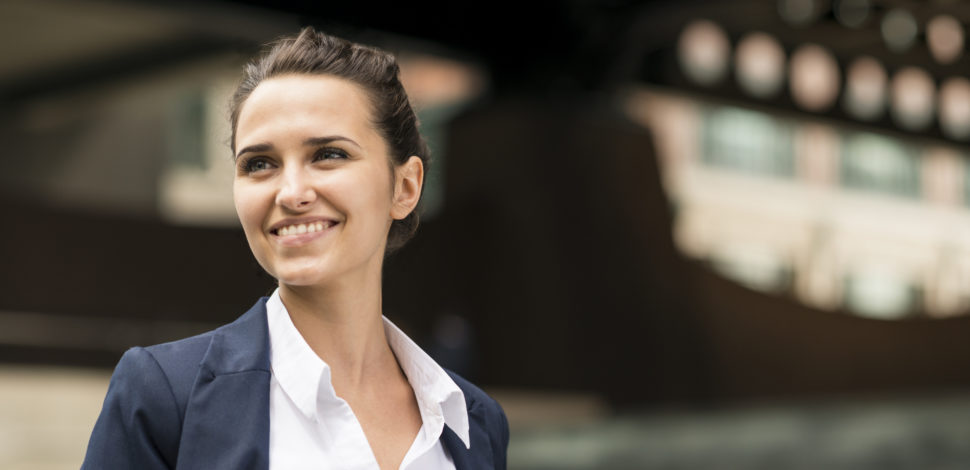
x=668, y=234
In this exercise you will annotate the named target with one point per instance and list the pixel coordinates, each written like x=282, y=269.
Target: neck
x=343, y=325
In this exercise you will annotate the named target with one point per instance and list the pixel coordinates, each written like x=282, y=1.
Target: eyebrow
x=311, y=142
x=314, y=141
x=255, y=148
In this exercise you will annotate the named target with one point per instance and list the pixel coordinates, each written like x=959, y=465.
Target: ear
x=408, y=179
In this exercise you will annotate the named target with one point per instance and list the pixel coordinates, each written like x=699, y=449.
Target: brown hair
x=376, y=71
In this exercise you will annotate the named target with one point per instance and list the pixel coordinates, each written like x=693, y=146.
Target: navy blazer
x=203, y=403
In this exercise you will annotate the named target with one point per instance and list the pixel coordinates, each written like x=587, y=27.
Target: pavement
x=46, y=415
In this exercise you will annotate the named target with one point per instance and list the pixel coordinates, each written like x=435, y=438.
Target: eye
x=330, y=153
x=255, y=164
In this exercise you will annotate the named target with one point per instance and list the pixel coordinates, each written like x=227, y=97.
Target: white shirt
x=312, y=428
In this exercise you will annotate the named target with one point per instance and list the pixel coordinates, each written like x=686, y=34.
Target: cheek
x=358, y=192
x=249, y=206
x=375, y=192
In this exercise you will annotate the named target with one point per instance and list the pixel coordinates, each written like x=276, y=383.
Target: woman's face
x=313, y=185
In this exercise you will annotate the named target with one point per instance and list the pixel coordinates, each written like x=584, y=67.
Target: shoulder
x=141, y=418
x=241, y=344
x=162, y=373
x=176, y=362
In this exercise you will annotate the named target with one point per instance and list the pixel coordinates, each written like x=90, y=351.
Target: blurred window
x=876, y=163
x=186, y=129
x=749, y=141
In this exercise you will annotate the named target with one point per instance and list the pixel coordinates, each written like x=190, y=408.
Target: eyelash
x=248, y=164
x=321, y=153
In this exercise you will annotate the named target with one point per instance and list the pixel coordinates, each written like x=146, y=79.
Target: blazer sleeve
x=500, y=445
x=139, y=426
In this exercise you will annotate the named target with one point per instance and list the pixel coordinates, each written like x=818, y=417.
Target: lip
x=300, y=238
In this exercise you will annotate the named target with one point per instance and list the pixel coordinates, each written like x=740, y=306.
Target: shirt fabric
x=312, y=428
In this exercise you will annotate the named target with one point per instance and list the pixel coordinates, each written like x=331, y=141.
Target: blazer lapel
x=227, y=416
x=479, y=456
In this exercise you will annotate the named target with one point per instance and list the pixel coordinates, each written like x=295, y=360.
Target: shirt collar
x=302, y=374
x=295, y=366
x=437, y=394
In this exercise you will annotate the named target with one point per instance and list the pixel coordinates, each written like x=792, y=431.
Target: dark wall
x=87, y=264
x=562, y=251
x=111, y=283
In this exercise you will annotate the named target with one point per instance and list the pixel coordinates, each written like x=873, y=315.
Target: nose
x=295, y=192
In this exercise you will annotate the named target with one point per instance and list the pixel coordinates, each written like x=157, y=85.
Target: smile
x=299, y=229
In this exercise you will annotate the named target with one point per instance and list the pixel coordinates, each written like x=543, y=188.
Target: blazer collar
x=242, y=345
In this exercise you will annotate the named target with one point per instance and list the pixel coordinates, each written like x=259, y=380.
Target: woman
x=329, y=170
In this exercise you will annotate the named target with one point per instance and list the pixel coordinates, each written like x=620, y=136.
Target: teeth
x=302, y=228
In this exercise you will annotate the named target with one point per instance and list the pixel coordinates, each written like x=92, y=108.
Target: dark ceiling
x=592, y=39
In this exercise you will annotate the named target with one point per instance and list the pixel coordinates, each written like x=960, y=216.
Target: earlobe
x=408, y=181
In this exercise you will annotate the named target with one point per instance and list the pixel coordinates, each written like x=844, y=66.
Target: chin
x=301, y=278
x=298, y=274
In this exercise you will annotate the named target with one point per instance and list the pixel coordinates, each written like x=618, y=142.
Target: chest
x=353, y=435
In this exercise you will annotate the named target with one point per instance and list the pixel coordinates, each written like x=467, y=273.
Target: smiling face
x=314, y=187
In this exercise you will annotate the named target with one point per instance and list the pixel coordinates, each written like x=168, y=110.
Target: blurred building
x=632, y=205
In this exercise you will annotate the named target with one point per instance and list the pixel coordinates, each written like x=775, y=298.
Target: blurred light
x=852, y=13
x=435, y=81
x=945, y=37
x=865, y=88
x=954, y=105
x=798, y=12
x=703, y=51
x=760, y=64
x=899, y=29
x=815, y=78
x=912, y=98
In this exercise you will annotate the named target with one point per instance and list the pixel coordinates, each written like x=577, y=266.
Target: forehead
x=304, y=106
